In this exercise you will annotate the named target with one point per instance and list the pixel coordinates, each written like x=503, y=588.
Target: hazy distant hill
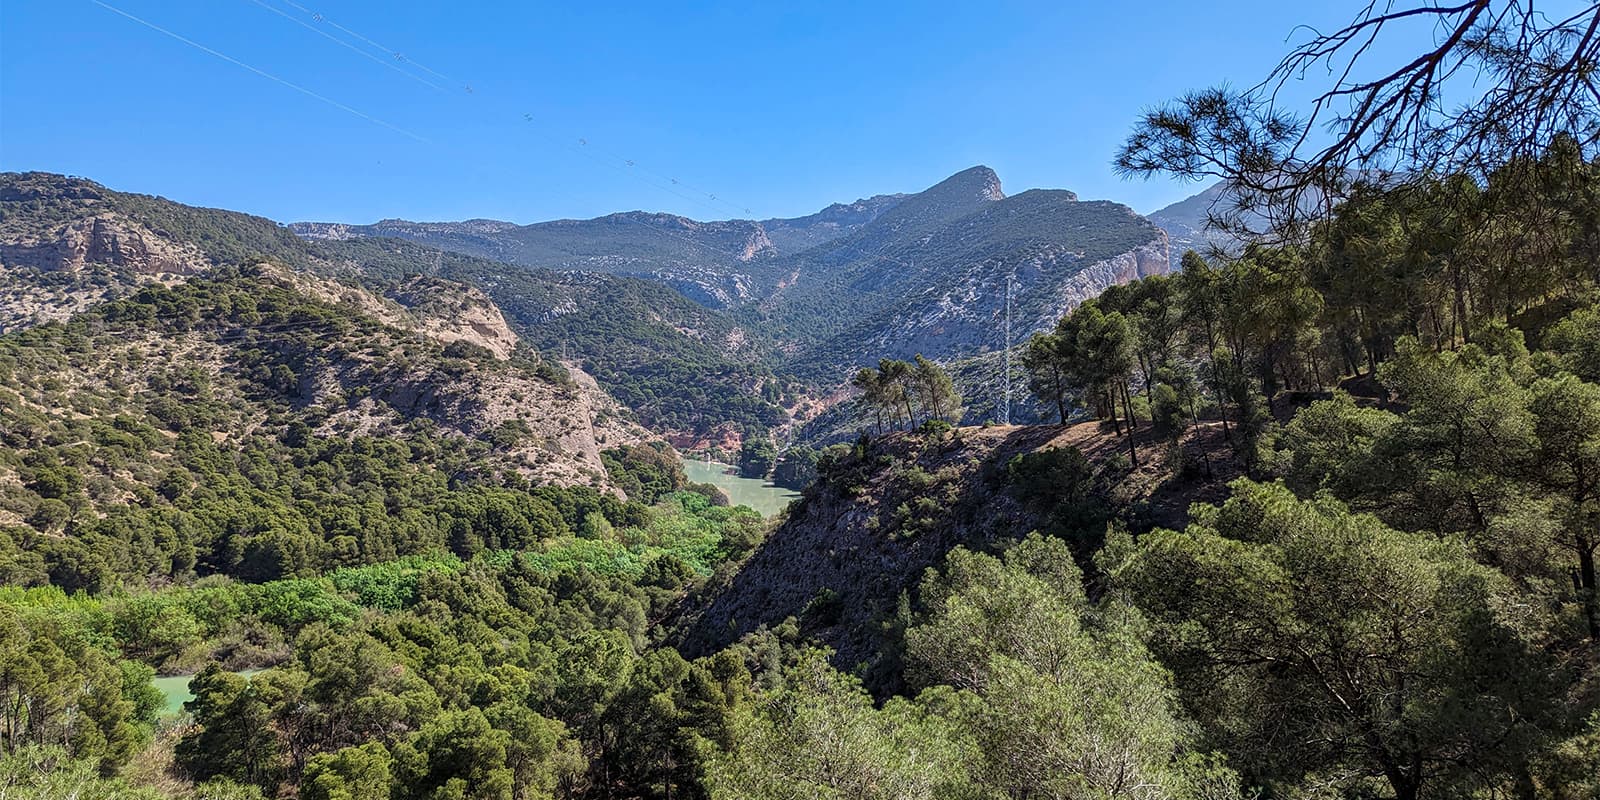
x=704, y=261
x=1187, y=221
x=715, y=263
x=889, y=275
x=839, y=219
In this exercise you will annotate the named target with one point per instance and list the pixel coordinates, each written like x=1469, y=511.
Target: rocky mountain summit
x=930, y=275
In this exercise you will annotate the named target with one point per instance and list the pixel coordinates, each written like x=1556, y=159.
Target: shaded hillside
x=877, y=519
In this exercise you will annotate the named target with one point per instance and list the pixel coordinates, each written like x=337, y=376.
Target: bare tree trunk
x=1127, y=405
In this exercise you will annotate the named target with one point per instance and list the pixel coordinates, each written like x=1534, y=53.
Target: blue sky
x=776, y=108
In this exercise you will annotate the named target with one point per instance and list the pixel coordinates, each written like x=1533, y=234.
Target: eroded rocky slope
x=846, y=555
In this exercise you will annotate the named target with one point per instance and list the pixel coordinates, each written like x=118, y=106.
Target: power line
x=263, y=73
x=396, y=54
x=342, y=43
x=621, y=162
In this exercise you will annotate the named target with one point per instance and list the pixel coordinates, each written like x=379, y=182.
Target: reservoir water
x=176, y=690
x=755, y=493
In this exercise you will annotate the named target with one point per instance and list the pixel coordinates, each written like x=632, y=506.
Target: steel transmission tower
x=1005, y=408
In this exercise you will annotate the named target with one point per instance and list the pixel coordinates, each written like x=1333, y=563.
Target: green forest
x=1399, y=600
x=1374, y=428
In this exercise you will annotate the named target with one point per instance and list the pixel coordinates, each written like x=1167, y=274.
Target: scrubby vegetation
x=678, y=365
x=1397, y=600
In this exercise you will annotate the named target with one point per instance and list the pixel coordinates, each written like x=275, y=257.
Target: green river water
x=757, y=494
x=176, y=689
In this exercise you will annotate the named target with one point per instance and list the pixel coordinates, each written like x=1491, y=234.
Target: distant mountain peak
x=979, y=181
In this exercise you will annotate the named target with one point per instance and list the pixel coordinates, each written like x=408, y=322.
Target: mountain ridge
x=706, y=329
x=930, y=261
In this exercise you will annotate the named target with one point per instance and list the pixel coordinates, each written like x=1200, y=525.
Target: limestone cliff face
x=452, y=312
x=49, y=274
x=757, y=244
x=567, y=423
x=567, y=426
x=380, y=381
x=103, y=240
x=1144, y=261
x=968, y=314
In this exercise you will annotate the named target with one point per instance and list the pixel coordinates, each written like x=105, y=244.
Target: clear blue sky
x=780, y=111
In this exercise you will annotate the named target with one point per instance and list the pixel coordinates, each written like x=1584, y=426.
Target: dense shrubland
x=1398, y=602
x=1409, y=609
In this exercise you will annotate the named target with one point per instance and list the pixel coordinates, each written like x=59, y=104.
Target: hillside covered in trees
x=1313, y=520
x=68, y=243
x=1386, y=587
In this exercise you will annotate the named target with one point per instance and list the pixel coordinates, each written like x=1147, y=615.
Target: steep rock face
x=566, y=424
x=106, y=241
x=1146, y=260
x=68, y=243
x=52, y=274
x=446, y=311
x=453, y=312
x=931, y=276
x=380, y=389
x=349, y=361
x=970, y=316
